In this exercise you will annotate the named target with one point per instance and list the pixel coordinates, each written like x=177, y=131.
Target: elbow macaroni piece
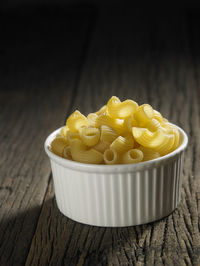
x=110, y=156
x=149, y=139
x=122, y=144
x=58, y=145
x=118, y=109
x=119, y=132
x=108, y=134
x=80, y=153
x=76, y=120
x=132, y=156
x=102, y=146
x=89, y=135
x=92, y=117
x=67, y=153
x=106, y=120
x=149, y=154
x=143, y=114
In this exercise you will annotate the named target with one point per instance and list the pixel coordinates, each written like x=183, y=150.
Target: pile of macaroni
x=118, y=133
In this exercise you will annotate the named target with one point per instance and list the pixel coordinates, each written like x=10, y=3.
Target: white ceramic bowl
x=118, y=195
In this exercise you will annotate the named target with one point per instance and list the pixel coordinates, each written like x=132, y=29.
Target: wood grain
x=147, y=57
x=40, y=67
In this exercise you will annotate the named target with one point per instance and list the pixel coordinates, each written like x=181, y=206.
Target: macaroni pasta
x=118, y=133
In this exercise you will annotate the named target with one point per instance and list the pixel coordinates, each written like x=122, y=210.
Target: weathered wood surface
x=148, y=56
x=38, y=76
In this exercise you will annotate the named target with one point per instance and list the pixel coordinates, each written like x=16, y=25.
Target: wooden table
x=54, y=60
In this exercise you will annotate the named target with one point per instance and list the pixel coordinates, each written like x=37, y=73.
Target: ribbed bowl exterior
x=124, y=196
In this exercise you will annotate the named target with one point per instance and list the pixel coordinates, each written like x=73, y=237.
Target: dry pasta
x=76, y=120
x=106, y=120
x=118, y=109
x=149, y=139
x=102, y=146
x=102, y=110
x=143, y=114
x=118, y=133
x=58, y=145
x=149, y=154
x=110, y=156
x=108, y=134
x=67, y=153
x=130, y=122
x=122, y=144
x=132, y=156
x=92, y=117
x=89, y=135
x=80, y=153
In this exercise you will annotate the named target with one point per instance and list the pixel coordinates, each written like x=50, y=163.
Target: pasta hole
x=110, y=155
x=133, y=154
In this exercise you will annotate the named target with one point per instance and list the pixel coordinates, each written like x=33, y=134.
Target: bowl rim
x=99, y=168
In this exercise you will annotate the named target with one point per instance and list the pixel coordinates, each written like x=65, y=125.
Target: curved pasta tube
x=92, y=117
x=101, y=146
x=167, y=128
x=67, y=153
x=76, y=120
x=110, y=156
x=149, y=154
x=106, y=120
x=166, y=146
x=102, y=110
x=80, y=153
x=64, y=130
x=149, y=139
x=153, y=125
x=107, y=134
x=176, y=139
x=58, y=145
x=89, y=135
x=118, y=109
x=143, y=114
x=72, y=135
x=122, y=144
x=132, y=156
x=130, y=122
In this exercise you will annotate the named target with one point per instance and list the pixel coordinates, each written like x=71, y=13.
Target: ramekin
x=118, y=195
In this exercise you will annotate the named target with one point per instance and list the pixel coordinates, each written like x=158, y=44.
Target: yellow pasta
x=64, y=131
x=102, y=110
x=80, y=153
x=153, y=125
x=76, y=120
x=132, y=156
x=119, y=132
x=106, y=120
x=102, y=146
x=118, y=109
x=143, y=114
x=92, y=117
x=176, y=139
x=89, y=135
x=108, y=134
x=110, y=156
x=159, y=117
x=58, y=145
x=166, y=146
x=149, y=139
x=122, y=144
x=72, y=135
x=67, y=153
x=149, y=154
x=130, y=122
